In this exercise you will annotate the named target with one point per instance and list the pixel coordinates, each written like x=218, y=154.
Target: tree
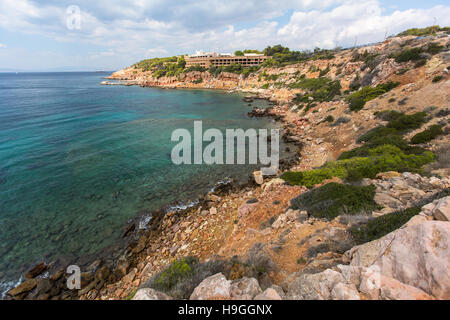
x=238, y=53
x=181, y=62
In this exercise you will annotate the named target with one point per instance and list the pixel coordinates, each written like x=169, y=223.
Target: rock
x=314, y=286
x=94, y=265
x=43, y=285
x=384, y=199
x=292, y=215
x=122, y=267
x=213, y=211
x=343, y=291
x=245, y=288
x=392, y=289
x=36, y=270
x=337, y=234
x=258, y=176
x=268, y=294
x=150, y=294
x=442, y=209
x=102, y=274
x=417, y=256
x=130, y=276
x=213, y=286
x=24, y=287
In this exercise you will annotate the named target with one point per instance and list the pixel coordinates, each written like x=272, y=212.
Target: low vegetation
x=334, y=199
x=316, y=90
x=427, y=135
x=420, y=32
x=381, y=226
x=384, y=150
x=358, y=99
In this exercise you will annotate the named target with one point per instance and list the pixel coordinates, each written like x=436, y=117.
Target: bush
x=358, y=99
x=427, y=135
x=424, y=31
x=334, y=199
x=330, y=118
x=379, y=159
x=181, y=277
x=438, y=78
x=381, y=226
x=388, y=115
x=413, y=54
x=318, y=89
x=408, y=122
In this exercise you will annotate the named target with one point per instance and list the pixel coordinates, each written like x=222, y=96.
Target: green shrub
x=310, y=178
x=358, y=99
x=438, y=78
x=197, y=81
x=334, y=199
x=424, y=31
x=174, y=273
x=408, y=122
x=427, y=135
x=319, y=89
x=265, y=86
x=388, y=115
x=413, y=54
x=381, y=226
x=379, y=159
x=329, y=118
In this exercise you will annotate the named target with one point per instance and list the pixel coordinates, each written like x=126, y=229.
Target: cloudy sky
x=45, y=35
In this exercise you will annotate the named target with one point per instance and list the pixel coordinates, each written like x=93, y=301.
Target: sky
x=86, y=35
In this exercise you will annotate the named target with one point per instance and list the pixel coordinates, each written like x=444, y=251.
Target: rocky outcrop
x=150, y=294
x=212, y=287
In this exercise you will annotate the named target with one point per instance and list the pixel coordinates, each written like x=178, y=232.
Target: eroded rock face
x=245, y=288
x=150, y=294
x=213, y=286
x=417, y=256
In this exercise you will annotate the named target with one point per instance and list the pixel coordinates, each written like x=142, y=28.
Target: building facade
x=208, y=59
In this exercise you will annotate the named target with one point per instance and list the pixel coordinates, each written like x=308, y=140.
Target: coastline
x=145, y=221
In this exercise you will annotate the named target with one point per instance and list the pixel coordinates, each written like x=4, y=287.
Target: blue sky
x=113, y=34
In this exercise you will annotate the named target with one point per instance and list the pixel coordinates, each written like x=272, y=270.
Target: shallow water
x=78, y=160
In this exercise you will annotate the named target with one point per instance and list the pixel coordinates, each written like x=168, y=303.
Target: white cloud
x=135, y=29
x=3, y=46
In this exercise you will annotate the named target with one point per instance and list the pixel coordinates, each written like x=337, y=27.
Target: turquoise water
x=78, y=160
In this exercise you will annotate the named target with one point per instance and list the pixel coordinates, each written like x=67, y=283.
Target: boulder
x=130, y=276
x=150, y=294
x=213, y=286
x=442, y=209
x=417, y=256
x=245, y=288
x=268, y=294
x=122, y=267
x=314, y=286
x=392, y=289
x=24, y=287
x=36, y=270
x=342, y=291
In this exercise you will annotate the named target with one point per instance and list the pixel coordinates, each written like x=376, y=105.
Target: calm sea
x=78, y=160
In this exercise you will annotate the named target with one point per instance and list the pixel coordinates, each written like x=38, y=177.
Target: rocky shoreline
x=251, y=242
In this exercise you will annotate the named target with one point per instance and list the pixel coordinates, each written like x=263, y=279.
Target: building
x=208, y=59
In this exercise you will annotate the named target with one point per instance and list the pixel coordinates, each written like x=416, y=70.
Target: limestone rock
x=392, y=289
x=245, y=288
x=442, y=209
x=417, y=256
x=343, y=291
x=150, y=294
x=213, y=286
x=314, y=286
x=268, y=294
